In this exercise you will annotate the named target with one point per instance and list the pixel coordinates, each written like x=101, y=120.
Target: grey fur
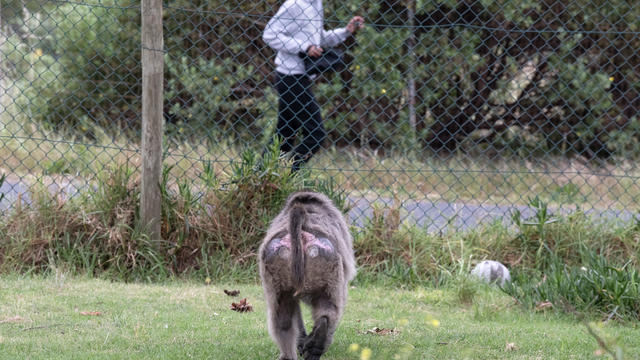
x=320, y=279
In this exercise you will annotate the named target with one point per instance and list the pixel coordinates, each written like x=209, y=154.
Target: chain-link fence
x=454, y=112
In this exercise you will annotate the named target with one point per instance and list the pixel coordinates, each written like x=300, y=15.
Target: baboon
x=306, y=255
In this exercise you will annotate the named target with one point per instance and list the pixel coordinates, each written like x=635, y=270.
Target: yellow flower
x=208, y=279
x=611, y=78
x=403, y=322
x=354, y=347
x=365, y=354
x=384, y=91
x=434, y=322
x=38, y=52
x=357, y=67
x=215, y=78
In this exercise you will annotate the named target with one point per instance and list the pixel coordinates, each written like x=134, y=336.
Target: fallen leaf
x=241, y=306
x=511, y=346
x=14, y=319
x=232, y=292
x=90, y=313
x=378, y=331
x=543, y=305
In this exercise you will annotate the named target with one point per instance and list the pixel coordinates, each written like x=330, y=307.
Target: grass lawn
x=58, y=317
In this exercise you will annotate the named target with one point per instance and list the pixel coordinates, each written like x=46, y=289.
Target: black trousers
x=298, y=111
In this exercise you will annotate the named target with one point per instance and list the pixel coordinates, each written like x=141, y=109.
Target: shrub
x=81, y=66
x=204, y=95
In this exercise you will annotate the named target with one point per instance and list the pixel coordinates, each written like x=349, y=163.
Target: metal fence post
x=152, y=117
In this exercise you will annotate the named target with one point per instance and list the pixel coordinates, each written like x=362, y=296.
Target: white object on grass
x=492, y=271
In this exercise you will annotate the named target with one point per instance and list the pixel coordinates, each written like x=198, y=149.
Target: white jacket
x=297, y=25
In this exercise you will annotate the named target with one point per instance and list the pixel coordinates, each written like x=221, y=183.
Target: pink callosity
x=308, y=240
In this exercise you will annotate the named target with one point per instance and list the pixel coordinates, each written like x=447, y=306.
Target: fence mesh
x=454, y=112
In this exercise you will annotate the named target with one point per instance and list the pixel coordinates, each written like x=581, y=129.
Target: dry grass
x=98, y=230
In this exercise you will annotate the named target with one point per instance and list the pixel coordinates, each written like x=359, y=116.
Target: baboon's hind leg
x=326, y=316
x=302, y=333
x=286, y=320
x=315, y=344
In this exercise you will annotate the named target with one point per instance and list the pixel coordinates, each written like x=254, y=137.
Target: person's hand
x=314, y=51
x=355, y=24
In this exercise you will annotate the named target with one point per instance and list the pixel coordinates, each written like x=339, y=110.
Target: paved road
x=11, y=191
x=17, y=189
x=435, y=216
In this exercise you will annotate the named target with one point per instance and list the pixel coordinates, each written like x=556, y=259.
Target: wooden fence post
x=411, y=67
x=152, y=116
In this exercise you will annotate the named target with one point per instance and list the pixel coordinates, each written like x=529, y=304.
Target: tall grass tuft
x=598, y=286
x=210, y=228
x=94, y=233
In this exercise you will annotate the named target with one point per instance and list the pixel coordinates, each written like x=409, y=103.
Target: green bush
x=201, y=97
x=81, y=67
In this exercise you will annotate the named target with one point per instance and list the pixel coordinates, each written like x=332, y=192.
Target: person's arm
x=334, y=37
x=337, y=36
x=278, y=32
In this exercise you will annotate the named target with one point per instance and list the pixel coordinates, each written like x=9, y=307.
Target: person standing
x=298, y=26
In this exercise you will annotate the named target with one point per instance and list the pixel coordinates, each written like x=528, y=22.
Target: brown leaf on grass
x=90, y=313
x=241, y=306
x=378, y=331
x=14, y=319
x=231, y=292
x=543, y=305
x=511, y=346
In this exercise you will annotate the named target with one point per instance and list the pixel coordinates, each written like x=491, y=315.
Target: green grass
x=41, y=318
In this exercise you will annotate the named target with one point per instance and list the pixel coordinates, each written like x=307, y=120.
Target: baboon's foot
x=315, y=343
x=302, y=339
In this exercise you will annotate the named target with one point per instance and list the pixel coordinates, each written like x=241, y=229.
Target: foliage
x=203, y=95
x=76, y=66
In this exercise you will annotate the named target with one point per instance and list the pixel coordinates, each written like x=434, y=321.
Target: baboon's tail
x=297, y=217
